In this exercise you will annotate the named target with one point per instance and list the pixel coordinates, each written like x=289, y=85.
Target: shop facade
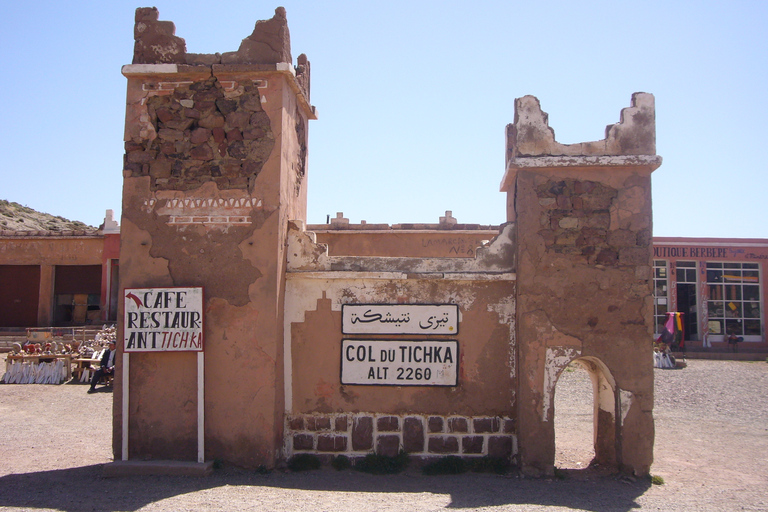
x=717, y=284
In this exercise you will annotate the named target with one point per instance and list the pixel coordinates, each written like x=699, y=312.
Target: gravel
x=711, y=450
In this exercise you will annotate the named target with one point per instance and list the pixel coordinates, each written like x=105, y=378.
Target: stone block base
x=424, y=436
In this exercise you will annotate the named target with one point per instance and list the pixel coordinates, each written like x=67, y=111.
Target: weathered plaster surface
x=557, y=359
x=498, y=256
x=634, y=134
x=214, y=167
x=427, y=242
x=51, y=251
x=583, y=215
x=484, y=338
x=317, y=287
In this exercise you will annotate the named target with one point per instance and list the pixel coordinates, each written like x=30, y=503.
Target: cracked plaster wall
x=316, y=290
x=215, y=166
x=584, y=272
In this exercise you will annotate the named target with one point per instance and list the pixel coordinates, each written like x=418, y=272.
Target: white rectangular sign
x=163, y=320
x=399, y=319
x=400, y=363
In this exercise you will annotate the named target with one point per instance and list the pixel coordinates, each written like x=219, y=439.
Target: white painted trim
x=585, y=161
x=143, y=69
x=285, y=66
x=452, y=276
x=126, y=369
x=201, y=407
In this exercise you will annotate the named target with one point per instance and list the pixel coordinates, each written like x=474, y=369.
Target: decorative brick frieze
x=386, y=434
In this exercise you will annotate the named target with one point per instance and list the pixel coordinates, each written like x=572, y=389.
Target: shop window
x=687, y=302
x=660, y=294
x=734, y=300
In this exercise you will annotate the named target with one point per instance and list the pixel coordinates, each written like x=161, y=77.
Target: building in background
x=72, y=278
x=717, y=283
x=59, y=278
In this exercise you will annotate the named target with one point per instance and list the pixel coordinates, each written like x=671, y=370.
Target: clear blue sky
x=413, y=99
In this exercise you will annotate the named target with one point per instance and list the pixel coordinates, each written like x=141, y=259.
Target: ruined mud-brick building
x=342, y=339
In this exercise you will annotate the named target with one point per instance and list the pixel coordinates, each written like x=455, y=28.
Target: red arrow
x=135, y=299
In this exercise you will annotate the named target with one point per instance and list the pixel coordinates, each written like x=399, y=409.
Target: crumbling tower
x=584, y=288
x=215, y=166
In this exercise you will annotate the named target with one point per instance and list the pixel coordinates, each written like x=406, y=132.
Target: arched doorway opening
x=574, y=428
x=584, y=419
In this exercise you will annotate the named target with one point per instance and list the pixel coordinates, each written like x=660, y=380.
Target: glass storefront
x=734, y=300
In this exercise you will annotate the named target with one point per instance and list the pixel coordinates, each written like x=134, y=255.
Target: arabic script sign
x=163, y=320
x=399, y=319
x=399, y=363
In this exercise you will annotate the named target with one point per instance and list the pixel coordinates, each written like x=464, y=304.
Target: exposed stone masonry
x=418, y=435
x=203, y=133
x=576, y=220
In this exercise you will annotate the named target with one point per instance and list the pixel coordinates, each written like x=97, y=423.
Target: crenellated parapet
x=531, y=136
x=584, y=226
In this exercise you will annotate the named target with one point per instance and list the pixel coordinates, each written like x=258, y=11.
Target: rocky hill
x=16, y=217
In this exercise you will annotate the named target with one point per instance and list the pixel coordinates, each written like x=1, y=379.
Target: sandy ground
x=711, y=449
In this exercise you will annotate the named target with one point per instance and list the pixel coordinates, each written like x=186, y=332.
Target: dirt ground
x=711, y=450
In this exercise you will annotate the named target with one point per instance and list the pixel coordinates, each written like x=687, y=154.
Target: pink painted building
x=717, y=283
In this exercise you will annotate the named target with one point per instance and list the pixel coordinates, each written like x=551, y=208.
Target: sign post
x=164, y=320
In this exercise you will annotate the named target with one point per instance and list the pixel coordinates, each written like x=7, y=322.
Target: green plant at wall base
x=341, y=462
x=657, y=480
x=382, y=464
x=450, y=465
x=304, y=462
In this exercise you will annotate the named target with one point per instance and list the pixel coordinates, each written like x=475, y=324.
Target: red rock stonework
x=204, y=134
x=423, y=436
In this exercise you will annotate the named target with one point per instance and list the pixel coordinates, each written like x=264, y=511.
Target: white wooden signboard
x=399, y=319
x=400, y=363
x=163, y=320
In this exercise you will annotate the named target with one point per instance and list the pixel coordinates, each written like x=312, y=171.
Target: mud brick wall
x=215, y=167
x=584, y=224
x=356, y=435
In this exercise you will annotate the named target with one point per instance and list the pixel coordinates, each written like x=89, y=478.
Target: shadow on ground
x=83, y=488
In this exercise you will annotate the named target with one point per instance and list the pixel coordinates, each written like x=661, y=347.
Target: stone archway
x=604, y=407
x=573, y=419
